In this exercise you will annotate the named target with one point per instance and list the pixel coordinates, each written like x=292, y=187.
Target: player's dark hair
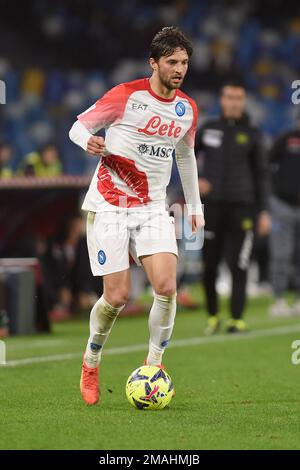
x=46, y=146
x=167, y=40
x=235, y=83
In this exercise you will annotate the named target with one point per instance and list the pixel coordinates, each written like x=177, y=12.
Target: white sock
x=102, y=318
x=161, y=322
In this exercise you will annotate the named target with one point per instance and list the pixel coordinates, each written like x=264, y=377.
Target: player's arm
x=276, y=152
x=101, y=115
x=90, y=143
x=262, y=184
x=205, y=185
x=188, y=172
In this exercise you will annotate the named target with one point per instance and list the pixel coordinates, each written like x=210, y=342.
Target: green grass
x=232, y=393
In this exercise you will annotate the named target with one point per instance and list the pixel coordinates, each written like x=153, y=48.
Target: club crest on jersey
x=180, y=109
x=101, y=257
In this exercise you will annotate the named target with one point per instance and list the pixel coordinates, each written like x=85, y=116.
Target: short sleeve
x=106, y=110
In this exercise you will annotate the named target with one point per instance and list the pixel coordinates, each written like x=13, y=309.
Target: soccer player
x=145, y=121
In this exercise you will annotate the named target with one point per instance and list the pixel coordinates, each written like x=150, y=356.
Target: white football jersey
x=142, y=131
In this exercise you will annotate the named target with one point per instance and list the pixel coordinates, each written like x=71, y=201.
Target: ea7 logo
x=296, y=354
x=296, y=93
x=2, y=92
x=141, y=106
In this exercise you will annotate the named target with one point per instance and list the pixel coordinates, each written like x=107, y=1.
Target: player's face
x=50, y=155
x=233, y=102
x=171, y=70
x=5, y=154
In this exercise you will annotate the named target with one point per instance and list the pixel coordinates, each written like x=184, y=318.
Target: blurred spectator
x=33, y=82
x=285, y=209
x=69, y=280
x=5, y=157
x=43, y=164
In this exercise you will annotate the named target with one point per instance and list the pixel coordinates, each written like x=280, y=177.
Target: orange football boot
x=89, y=384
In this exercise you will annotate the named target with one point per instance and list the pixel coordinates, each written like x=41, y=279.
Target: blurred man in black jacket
x=233, y=185
x=285, y=210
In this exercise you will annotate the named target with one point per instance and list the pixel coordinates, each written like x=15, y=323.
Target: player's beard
x=168, y=83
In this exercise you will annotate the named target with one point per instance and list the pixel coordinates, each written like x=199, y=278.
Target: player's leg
x=154, y=244
x=102, y=319
x=161, y=272
x=237, y=253
x=109, y=258
x=108, y=245
x=282, y=245
x=212, y=253
x=104, y=313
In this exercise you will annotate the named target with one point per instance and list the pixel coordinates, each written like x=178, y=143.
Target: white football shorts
x=114, y=235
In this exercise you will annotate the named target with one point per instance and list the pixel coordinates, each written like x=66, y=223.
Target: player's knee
x=166, y=288
x=116, y=297
x=117, y=300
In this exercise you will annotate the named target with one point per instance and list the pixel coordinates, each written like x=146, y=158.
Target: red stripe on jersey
x=135, y=179
x=189, y=137
x=110, y=108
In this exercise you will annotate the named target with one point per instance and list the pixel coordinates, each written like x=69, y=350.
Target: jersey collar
x=165, y=100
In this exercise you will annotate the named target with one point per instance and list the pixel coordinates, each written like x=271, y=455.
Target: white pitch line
x=179, y=343
x=35, y=343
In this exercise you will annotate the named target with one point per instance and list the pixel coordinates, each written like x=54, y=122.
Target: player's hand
x=197, y=222
x=264, y=223
x=205, y=186
x=96, y=146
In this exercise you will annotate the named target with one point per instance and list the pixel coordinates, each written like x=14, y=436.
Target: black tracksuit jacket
x=285, y=167
x=234, y=162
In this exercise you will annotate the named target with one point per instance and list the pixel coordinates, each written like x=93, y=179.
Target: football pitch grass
x=232, y=391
